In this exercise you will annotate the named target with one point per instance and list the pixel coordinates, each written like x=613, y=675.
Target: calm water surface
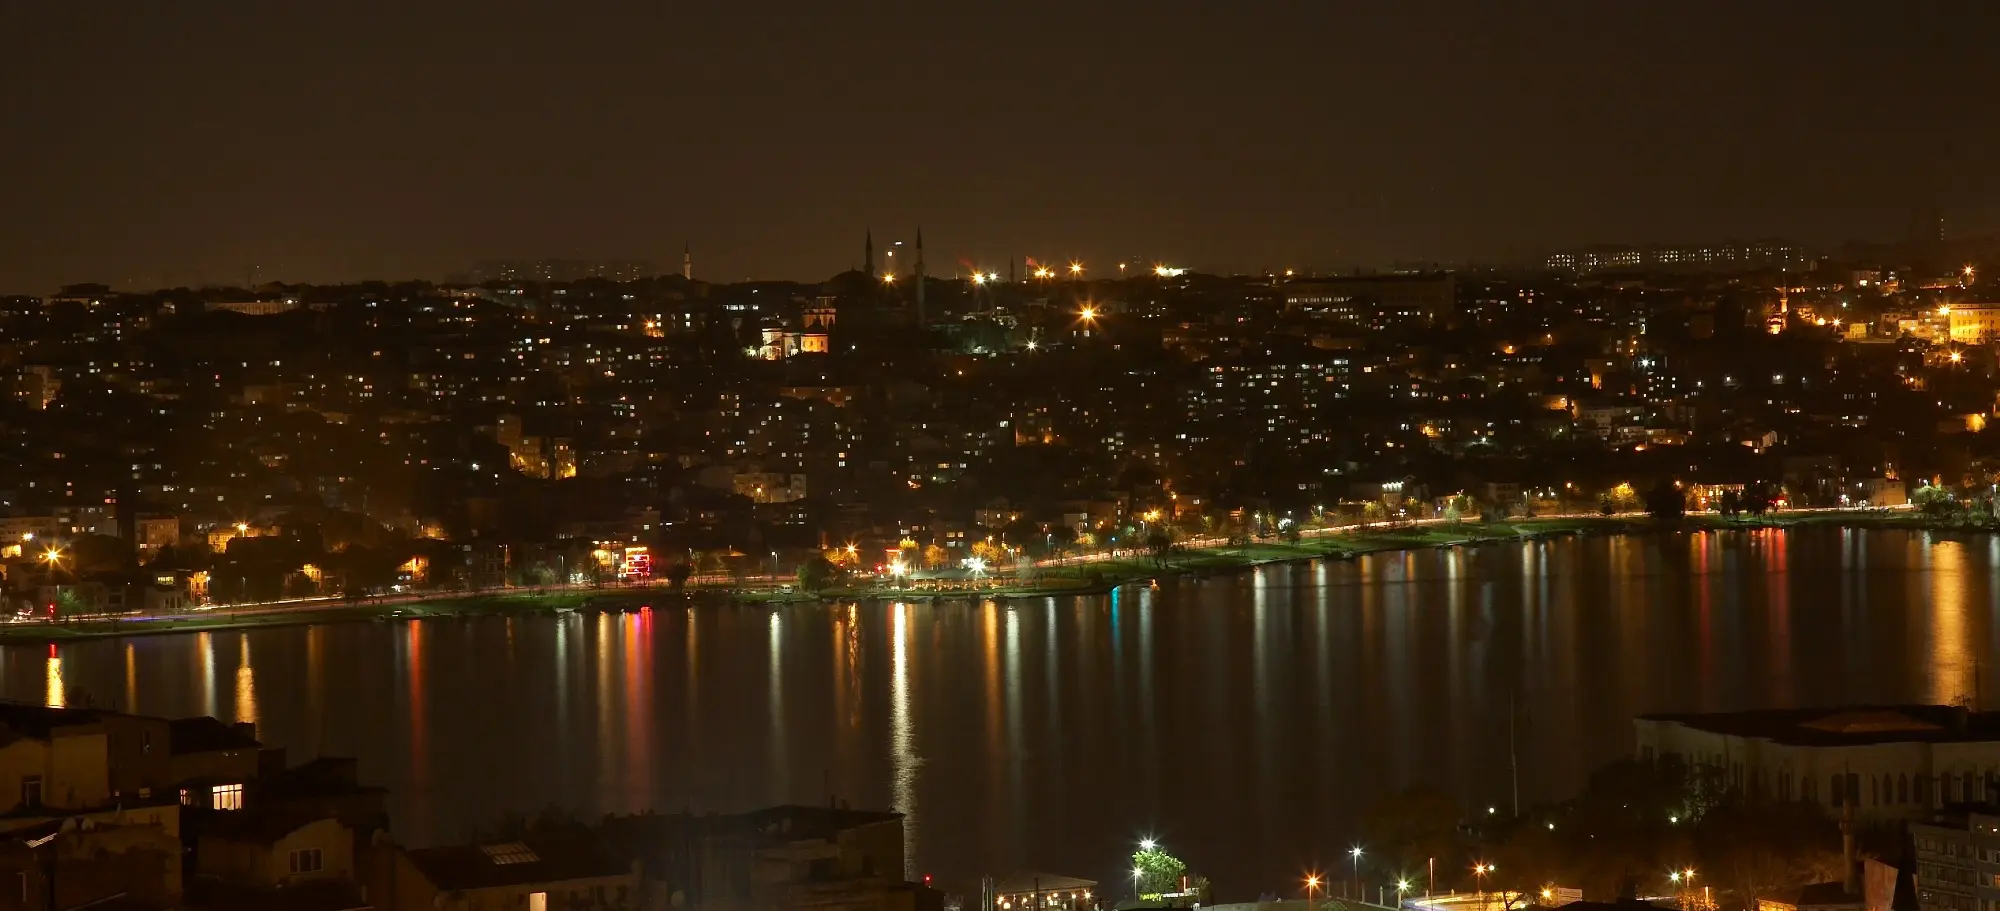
x=1244, y=720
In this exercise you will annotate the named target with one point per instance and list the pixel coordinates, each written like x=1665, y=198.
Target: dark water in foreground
x=1243, y=720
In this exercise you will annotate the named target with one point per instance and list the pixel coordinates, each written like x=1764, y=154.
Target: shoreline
x=1096, y=576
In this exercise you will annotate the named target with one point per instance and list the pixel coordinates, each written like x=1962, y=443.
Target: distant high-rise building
x=868, y=252
x=920, y=276
x=1719, y=257
x=561, y=270
x=687, y=261
x=1377, y=301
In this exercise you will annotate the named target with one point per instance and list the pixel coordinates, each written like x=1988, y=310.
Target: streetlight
x=1312, y=883
x=1135, y=881
x=1479, y=871
x=1076, y=270
x=1354, y=854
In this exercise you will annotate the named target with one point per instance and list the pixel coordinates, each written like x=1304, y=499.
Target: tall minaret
x=920, y=278
x=687, y=261
x=868, y=253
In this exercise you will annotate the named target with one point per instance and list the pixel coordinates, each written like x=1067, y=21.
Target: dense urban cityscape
x=277, y=442
x=799, y=457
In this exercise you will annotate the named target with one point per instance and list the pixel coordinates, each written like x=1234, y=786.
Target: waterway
x=1244, y=720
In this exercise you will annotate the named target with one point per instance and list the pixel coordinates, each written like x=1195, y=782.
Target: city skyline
x=311, y=144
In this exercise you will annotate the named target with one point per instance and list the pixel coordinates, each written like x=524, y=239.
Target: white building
x=1900, y=761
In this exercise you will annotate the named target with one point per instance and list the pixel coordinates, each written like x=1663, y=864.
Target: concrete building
x=1894, y=762
x=537, y=873
x=1724, y=256
x=1377, y=301
x=1973, y=324
x=780, y=857
x=1958, y=862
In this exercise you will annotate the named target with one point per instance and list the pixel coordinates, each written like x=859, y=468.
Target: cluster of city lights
x=1044, y=273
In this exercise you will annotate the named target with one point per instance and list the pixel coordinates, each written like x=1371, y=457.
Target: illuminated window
x=538, y=901
x=226, y=797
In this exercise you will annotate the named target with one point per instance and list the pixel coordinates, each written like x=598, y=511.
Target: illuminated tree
x=988, y=551
x=935, y=557
x=1158, y=872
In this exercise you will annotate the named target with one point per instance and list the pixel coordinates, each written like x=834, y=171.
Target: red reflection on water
x=419, y=731
x=639, y=706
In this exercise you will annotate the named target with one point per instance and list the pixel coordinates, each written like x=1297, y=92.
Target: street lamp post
x=1312, y=884
x=1479, y=871
x=1354, y=854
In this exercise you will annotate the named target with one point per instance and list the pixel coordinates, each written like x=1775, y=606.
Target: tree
x=1160, y=543
x=1455, y=508
x=1761, y=848
x=1665, y=503
x=935, y=557
x=1934, y=502
x=1412, y=825
x=1158, y=872
x=818, y=574
x=1731, y=503
x=678, y=573
x=988, y=551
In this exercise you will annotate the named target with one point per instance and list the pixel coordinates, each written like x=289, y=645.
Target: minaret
x=687, y=261
x=920, y=278
x=868, y=253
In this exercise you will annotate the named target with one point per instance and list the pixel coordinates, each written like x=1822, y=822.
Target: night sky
x=150, y=144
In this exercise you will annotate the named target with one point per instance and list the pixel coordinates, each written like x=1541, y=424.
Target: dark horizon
x=186, y=146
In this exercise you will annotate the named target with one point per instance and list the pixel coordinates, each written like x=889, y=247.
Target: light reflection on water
x=1245, y=719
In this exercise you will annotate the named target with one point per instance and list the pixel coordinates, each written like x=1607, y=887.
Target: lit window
x=226, y=797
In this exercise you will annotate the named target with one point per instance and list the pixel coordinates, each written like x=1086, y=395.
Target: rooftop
x=533, y=859
x=208, y=735
x=1848, y=725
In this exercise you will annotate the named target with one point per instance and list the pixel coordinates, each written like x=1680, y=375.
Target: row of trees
x=1633, y=822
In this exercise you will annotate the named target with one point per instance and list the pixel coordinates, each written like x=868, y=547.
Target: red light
x=927, y=876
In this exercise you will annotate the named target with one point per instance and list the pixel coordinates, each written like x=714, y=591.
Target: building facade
x=1892, y=762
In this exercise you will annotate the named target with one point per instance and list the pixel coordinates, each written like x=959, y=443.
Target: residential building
x=780, y=857
x=1958, y=861
x=1973, y=324
x=554, y=872
x=1376, y=301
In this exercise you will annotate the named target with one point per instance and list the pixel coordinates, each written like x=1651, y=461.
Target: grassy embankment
x=1096, y=576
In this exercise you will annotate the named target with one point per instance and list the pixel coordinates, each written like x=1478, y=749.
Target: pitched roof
x=533, y=859
x=1848, y=725
x=256, y=827
x=208, y=735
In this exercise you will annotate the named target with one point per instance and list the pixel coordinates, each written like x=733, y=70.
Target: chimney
x=1849, y=872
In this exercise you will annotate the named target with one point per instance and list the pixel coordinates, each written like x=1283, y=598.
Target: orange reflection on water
x=246, y=682
x=204, y=644
x=990, y=625
x=1950, y=662
x=419, y=732
x=55, y=680
x=131, y=678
